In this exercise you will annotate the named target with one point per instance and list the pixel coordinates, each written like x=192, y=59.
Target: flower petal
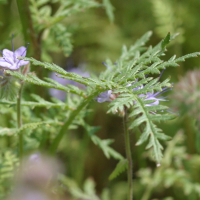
x=14, y=66
x=8, y=56
x=104, y=96
x=20, y=52
x=156, y=102
x=4, y=63
x=22, y=62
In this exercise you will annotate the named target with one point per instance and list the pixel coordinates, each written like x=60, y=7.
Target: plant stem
x=128, y=155
x=78, y=167
x=31, y=36
x=19, y=121
x=28, y=30
x=68, y=122
x=147, y=192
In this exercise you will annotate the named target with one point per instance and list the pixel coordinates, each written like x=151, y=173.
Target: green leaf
x=165, y=41
x=75, y=191
x=107, y=150
x=182, y=58
x=7, y=131
x=157, y=117
x=141, y=116
x=109, y=9
x=121, y=167
x=12, y=131
x=40, y=103
x=52, y=84
x=63, y=38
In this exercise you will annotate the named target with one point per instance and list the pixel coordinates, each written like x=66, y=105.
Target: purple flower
x=108, y=96
x=10, y=58
x=154, y=96
x=104, y=96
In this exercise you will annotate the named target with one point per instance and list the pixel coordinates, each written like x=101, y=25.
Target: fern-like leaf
x=12, y=131
x=40, y=102
x=63, y=37
x=107, y=150
x=109, y=9
x=121, y=167
x=9, y=162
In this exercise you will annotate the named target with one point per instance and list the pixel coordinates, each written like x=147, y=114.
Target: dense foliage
x=106, y=121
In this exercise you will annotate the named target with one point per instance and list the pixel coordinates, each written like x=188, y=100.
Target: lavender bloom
x=154, y=96
x=10, y=58
x=108, y=96
x=104, y=96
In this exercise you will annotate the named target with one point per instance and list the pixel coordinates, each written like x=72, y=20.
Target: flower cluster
x=109, y=96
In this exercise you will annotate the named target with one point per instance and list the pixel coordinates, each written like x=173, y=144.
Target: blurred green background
x=95, y=38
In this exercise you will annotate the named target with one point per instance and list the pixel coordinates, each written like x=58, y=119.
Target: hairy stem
x=68, y=121
x=128, y=155
x=19, y=122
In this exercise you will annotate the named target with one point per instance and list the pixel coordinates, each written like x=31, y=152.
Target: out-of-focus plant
x=47, y=26
x=167, y=18
x=8, y=163
x=187, y=94
x=35, y=179
x=186, y=99
x=173, y=173
x=87, y=193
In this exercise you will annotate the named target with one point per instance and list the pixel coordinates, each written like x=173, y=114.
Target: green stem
x=30, y=34
x=68, y=122
x=19, y=122
x=78, y=166
x=128, y=155
x=147, y=192
x=28, y=29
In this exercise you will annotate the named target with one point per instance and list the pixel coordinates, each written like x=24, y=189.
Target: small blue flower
x=10, y=58
x=108, y=96
x=154, y=96
x=104, y=96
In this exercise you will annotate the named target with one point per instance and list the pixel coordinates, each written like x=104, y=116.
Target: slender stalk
x=147, y=192
x=68, y=122
x=80, y=170
x=128, y=155
x=19, y=122
x=30, y=35
x=28, y=30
